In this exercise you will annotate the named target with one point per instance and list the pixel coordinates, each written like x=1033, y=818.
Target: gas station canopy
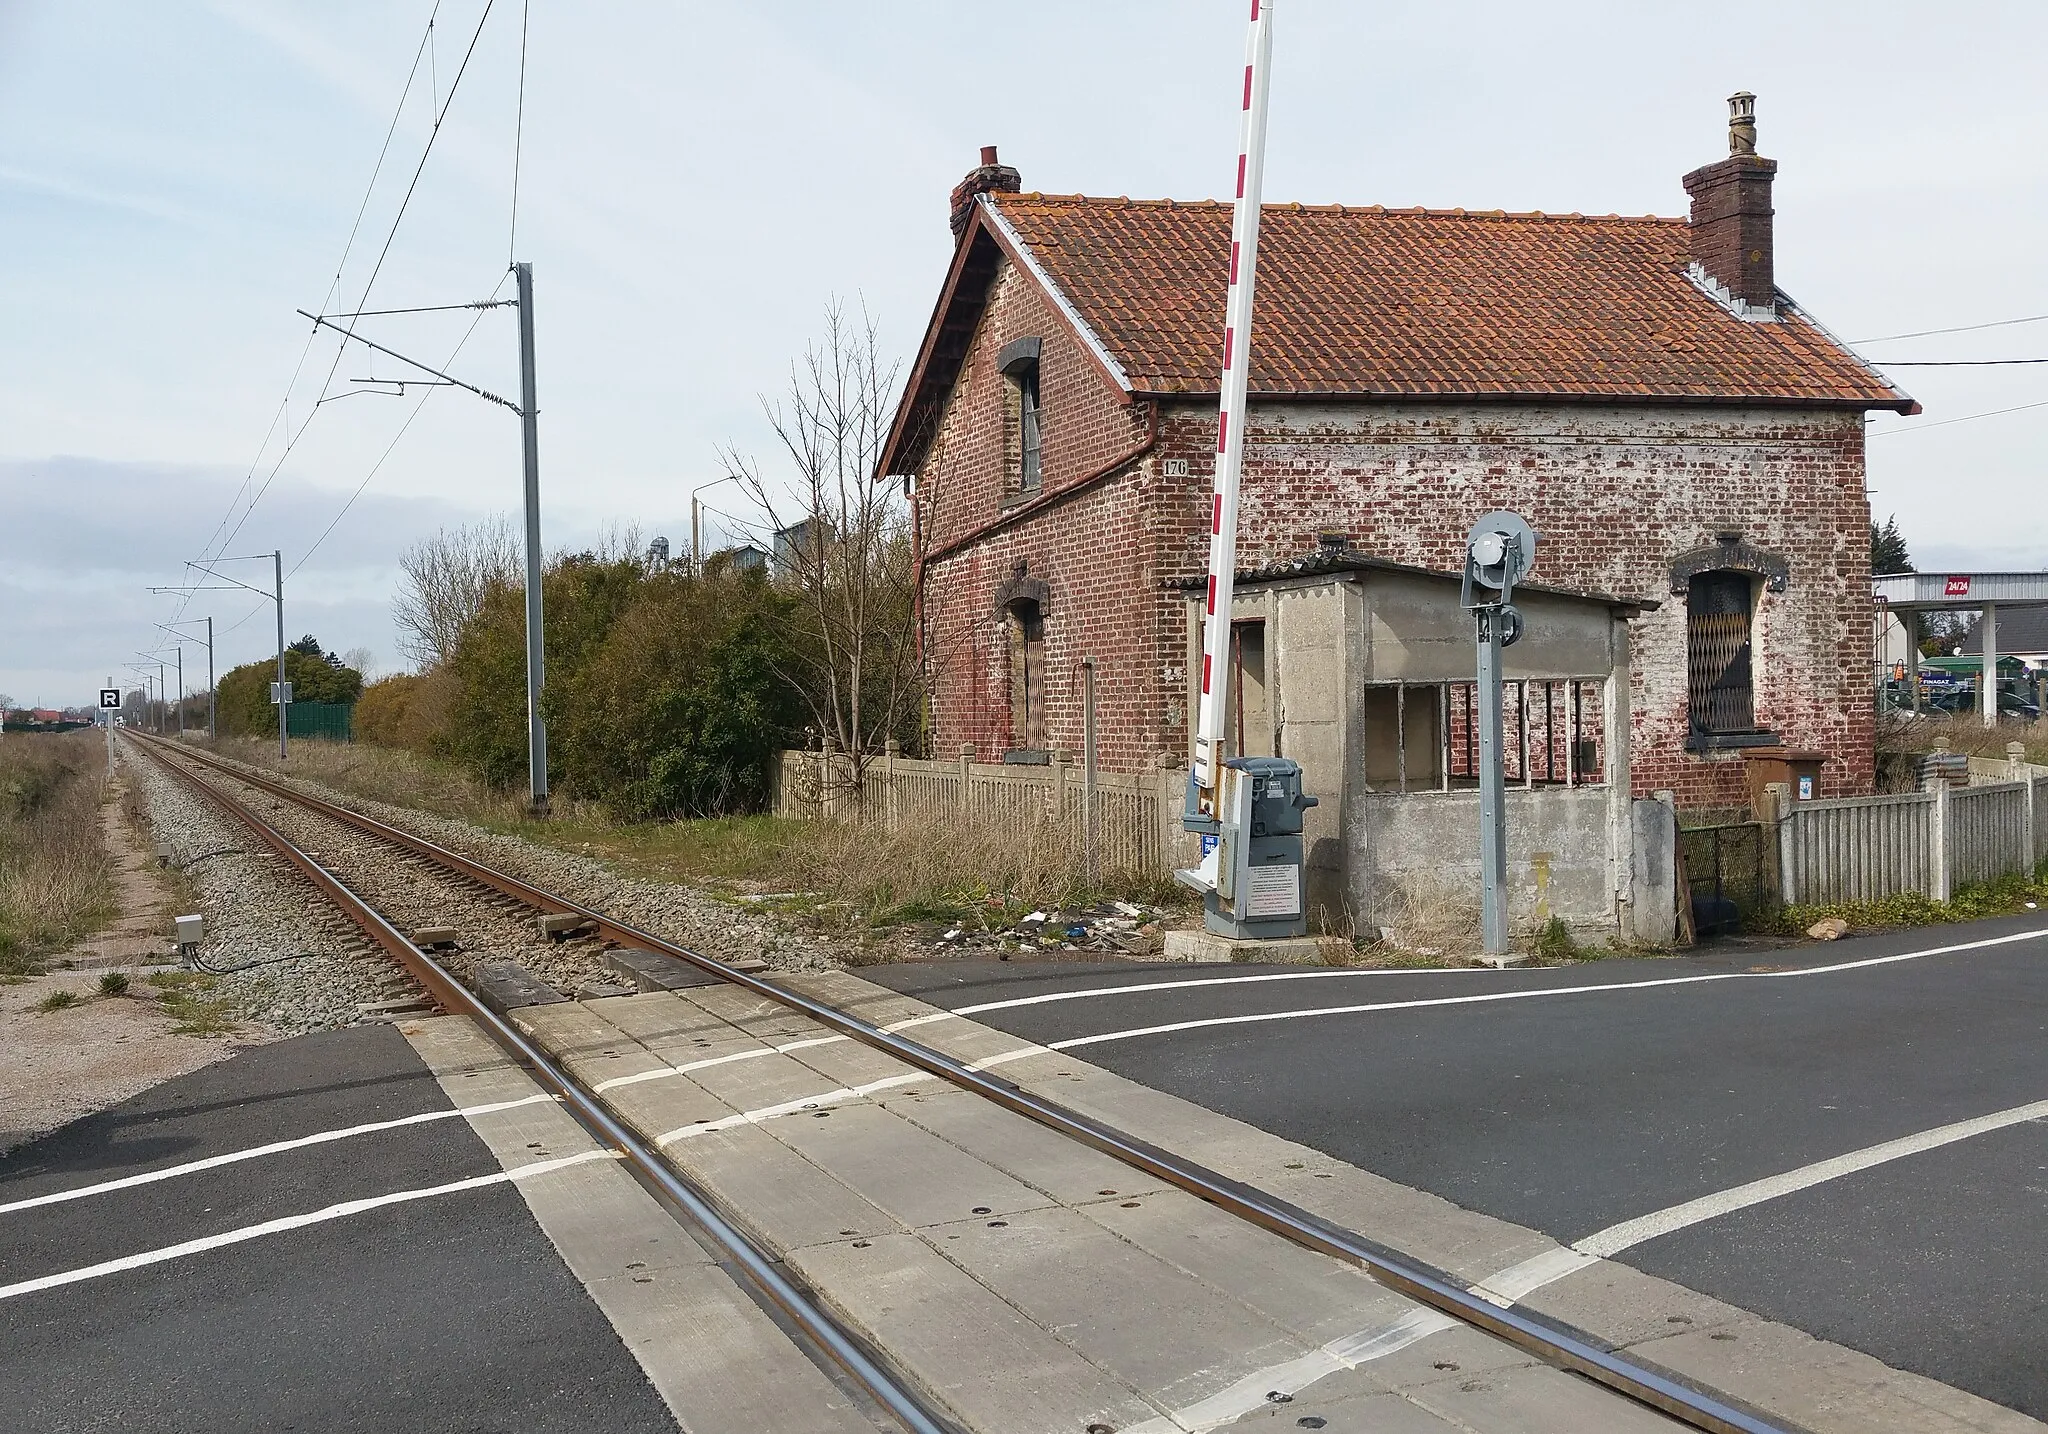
x=1968, y=591
x=1974, y=592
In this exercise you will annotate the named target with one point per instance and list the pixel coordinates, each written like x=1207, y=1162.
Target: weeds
x=185, y=998
x=57, y=1001
x=2007, y=896
x=1555, y=942
x=56, y=882
x=114, y=983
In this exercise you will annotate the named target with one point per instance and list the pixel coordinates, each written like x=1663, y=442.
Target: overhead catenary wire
x=333, y=288
x=1952, y=363
x=440, y=114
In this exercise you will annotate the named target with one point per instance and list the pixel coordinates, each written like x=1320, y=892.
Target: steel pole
x=1230, y=417
x=212, y=689
x=1493, y=833
x=536, y=729
x=283, y=717
x=163, y=717
x=181, y=692
x=696, y=537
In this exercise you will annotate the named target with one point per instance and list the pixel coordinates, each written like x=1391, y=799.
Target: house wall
x=1615, y=493
x=1084, y=534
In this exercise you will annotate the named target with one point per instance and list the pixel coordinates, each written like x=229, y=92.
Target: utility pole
x=529, y=424
x=212, y=688
x=181, y=691
x=527, y=408
x=283, y=691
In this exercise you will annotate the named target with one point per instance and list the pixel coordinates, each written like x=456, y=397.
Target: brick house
x=1673, y=425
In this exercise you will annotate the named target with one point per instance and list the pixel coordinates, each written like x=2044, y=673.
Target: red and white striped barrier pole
x=1230, y=419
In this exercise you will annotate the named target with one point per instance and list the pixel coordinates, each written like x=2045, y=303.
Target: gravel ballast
x=258, y=909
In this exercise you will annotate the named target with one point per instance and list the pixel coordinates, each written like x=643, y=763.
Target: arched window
x=1023, y=418
x=1026, y=624
x=1719, y=607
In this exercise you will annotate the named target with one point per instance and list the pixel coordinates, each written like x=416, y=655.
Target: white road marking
x=233, y=1157
x=667, y=1071
x=789, y=1107
x=291, y=1222
x=1139, y=987
x=1232, y=1403
x=1616, y=1238
x=1539, y=992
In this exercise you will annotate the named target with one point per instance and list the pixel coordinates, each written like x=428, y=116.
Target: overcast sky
x=700, y=180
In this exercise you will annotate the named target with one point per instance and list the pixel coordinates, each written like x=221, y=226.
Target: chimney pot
x=1731, y=212
x=989, y=175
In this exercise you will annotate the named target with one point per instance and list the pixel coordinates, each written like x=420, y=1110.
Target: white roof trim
x=1839, y=342
x=1720, y=293
x=1059, y=299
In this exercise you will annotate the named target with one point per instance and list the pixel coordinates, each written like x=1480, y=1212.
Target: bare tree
x=841, y=540
x=442, y=583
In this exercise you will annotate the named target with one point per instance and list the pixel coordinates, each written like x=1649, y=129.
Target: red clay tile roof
x=1426, y=303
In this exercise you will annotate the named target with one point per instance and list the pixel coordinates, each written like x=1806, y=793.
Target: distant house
x=2022, y=633
x=1673, y=424
x=746, y=558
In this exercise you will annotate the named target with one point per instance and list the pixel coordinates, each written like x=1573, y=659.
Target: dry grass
x=1434, y=917
x=384, y=774
x=56, y=880
x=839, y=873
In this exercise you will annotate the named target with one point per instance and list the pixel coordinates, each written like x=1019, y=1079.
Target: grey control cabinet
x=1259, y=879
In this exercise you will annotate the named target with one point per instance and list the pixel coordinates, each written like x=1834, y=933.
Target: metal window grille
x=1718, y=609
x=1553, y=728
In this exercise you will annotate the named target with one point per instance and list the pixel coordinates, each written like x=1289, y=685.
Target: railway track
x=391, y=865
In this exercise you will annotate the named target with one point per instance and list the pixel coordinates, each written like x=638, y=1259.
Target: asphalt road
x=452, y=1313
x=1573, y=1112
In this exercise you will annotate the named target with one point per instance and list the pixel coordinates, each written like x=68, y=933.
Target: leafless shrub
x=442, y=584
x=842, y=541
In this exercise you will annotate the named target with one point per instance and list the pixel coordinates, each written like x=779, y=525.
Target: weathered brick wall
x=1615, y=491
x=1086, y=546
x=962, y=486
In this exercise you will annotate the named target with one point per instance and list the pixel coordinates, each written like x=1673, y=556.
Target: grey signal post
x=212, y=703
x=1499, y=552
x=529, y=415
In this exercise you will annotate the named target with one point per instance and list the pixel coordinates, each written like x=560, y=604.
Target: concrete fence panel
x=1987, y=833
x=1857, y=849
x=1137, y=814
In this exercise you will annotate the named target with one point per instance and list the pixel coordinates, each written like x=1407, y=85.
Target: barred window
x=1718, y=611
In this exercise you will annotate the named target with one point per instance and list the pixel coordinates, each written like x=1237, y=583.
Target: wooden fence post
x=1785, y=822
x=891, y=749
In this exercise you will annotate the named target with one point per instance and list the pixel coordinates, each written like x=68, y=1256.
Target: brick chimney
x=984, y=177
x=1731, y=211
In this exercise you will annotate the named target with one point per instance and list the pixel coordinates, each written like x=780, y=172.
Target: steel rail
x=844, y=1348
x=1566, y=1349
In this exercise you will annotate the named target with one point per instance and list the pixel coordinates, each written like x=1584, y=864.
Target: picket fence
x=1137, y=825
